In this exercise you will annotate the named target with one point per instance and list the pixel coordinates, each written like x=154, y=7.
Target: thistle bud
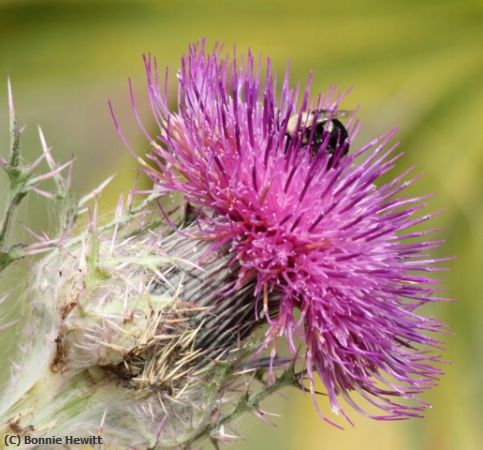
x=134, y=337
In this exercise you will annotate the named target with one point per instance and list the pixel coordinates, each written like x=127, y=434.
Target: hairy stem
x=15, y=195
x=250, y=402
x=12, y=203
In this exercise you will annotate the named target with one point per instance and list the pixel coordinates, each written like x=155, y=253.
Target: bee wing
x=332, y=113
x=306, y=119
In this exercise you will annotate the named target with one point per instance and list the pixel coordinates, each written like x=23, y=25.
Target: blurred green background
x=415, y=64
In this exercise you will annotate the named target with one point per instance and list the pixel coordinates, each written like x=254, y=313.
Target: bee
x=328, y=129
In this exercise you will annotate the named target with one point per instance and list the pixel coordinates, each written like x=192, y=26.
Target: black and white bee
x=318, y=127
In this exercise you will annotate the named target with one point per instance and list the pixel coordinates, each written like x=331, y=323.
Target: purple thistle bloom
x=309, y=226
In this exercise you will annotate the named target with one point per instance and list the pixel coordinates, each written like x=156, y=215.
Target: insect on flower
x=139, y=330
x=320, y=128
x=309, y=224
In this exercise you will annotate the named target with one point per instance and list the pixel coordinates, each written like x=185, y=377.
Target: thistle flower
x=309, y=226
x=142, y=330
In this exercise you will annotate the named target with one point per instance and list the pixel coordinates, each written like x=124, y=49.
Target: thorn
x=100, y=430
x=54, y=173
x=8, y=324
x=46, y=149
x=95, y=192
x=117, y=219
x=68, y=178
x=11, y=105
x=55, y=170
x=262, y=416
x=43, y=193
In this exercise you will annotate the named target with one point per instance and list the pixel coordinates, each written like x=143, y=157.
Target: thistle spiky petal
x=317, y=228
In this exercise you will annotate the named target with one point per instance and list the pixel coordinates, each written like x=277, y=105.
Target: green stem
x=13, y=201
x=250, y=402
x=15, y=196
